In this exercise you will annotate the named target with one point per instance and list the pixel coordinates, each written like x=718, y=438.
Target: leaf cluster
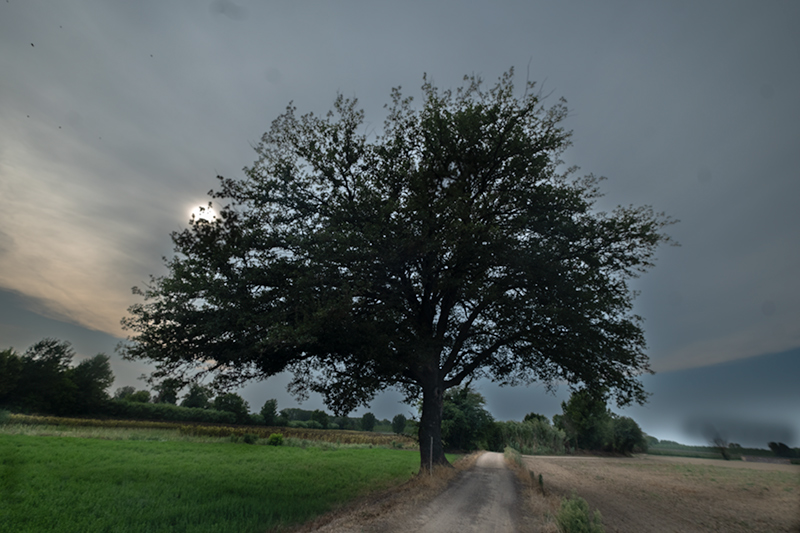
x=453, y=245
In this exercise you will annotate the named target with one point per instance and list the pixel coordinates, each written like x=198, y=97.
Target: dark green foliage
x=123, y=393
x=167, y=412
x=533, y=437
x=589, y=425
x=275, y=439
x=628, y=436
x=412, y=429
x=782, y=450
x=270, y=412
x=585, y=420
x=368, y=422
x=10, y=371
x=140, y=396
x=199, y=396
x=398, y=424
x=321, y=417
x=249, y=438
x=42, y=380
x=574, y=516
x=294, y=413
x=44, y=385
x=167, y=391
x=534, y=416
x=449, y=245
x=345, y=422
x=466, y=425
x=92, y=378
x=233, y=403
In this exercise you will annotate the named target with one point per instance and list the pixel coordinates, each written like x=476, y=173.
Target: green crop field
x=66, y=484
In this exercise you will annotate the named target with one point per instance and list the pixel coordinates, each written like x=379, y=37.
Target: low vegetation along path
x=481, y=498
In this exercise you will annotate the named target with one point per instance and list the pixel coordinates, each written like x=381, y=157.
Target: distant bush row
x=315, y=435
x=167, y=412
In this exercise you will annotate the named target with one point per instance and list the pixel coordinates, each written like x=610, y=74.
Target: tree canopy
x=42, y=380
x=451, y=245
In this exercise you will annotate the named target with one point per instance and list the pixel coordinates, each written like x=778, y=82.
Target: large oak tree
x=450, y=245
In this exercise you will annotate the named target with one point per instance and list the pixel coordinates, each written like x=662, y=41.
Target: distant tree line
x=44, y=380
x=585, y=423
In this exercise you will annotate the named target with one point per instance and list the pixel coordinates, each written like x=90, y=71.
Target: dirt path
x=483, y=498
x=665, y=494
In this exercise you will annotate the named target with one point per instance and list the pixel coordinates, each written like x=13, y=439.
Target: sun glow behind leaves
x=200, y=212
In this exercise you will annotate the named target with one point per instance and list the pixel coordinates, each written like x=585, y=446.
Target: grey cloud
x=752, y=432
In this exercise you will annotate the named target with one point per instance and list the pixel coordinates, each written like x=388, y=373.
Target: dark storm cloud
x=760, y=434
x=114, y=125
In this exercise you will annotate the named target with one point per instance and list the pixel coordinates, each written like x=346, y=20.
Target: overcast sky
x=115, y=118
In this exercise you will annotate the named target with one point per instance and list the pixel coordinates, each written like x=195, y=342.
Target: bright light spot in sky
x=203, y=213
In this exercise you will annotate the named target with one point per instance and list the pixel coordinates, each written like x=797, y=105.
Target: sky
x=116, y=117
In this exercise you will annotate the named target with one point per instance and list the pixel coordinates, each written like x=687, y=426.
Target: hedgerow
x=222, y=430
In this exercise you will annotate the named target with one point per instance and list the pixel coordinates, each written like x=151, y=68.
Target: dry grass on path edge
x=389, y=503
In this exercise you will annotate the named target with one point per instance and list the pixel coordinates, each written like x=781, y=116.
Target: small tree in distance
x=535, y=416
x=235, y=404
x=368, y=422
x=451, y=245
x=399, y=424
x=123, y=393
x=321, y=417
x=199, y=396
x=270, y=412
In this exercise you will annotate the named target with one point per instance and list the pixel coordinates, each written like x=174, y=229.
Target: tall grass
x=87, y=485
x=59, y=425
x=533, y=437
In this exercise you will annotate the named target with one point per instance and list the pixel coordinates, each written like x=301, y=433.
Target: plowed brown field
x=665, y=494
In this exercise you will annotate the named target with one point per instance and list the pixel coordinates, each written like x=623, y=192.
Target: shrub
x=140, y=396
x=534, y=437
x=320, y=417
x=398, y=424
x=4, y=417
x=574, y=517
x=270, y=412
x=466, y=425
x=276, y=439
x=628, y=436
x=512, y=455
x=249, y=438
x=781, y=450
x=368, y=422
x=535, y=416
x=167, y=412
x=586, y=420
x=233, y=403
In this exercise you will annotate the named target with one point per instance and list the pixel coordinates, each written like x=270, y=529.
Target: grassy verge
x=86, y=485
x=56, y=424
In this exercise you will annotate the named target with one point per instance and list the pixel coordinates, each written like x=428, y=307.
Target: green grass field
x=66, y=484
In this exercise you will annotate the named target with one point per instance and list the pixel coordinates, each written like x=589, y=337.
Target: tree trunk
x=430, y=427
